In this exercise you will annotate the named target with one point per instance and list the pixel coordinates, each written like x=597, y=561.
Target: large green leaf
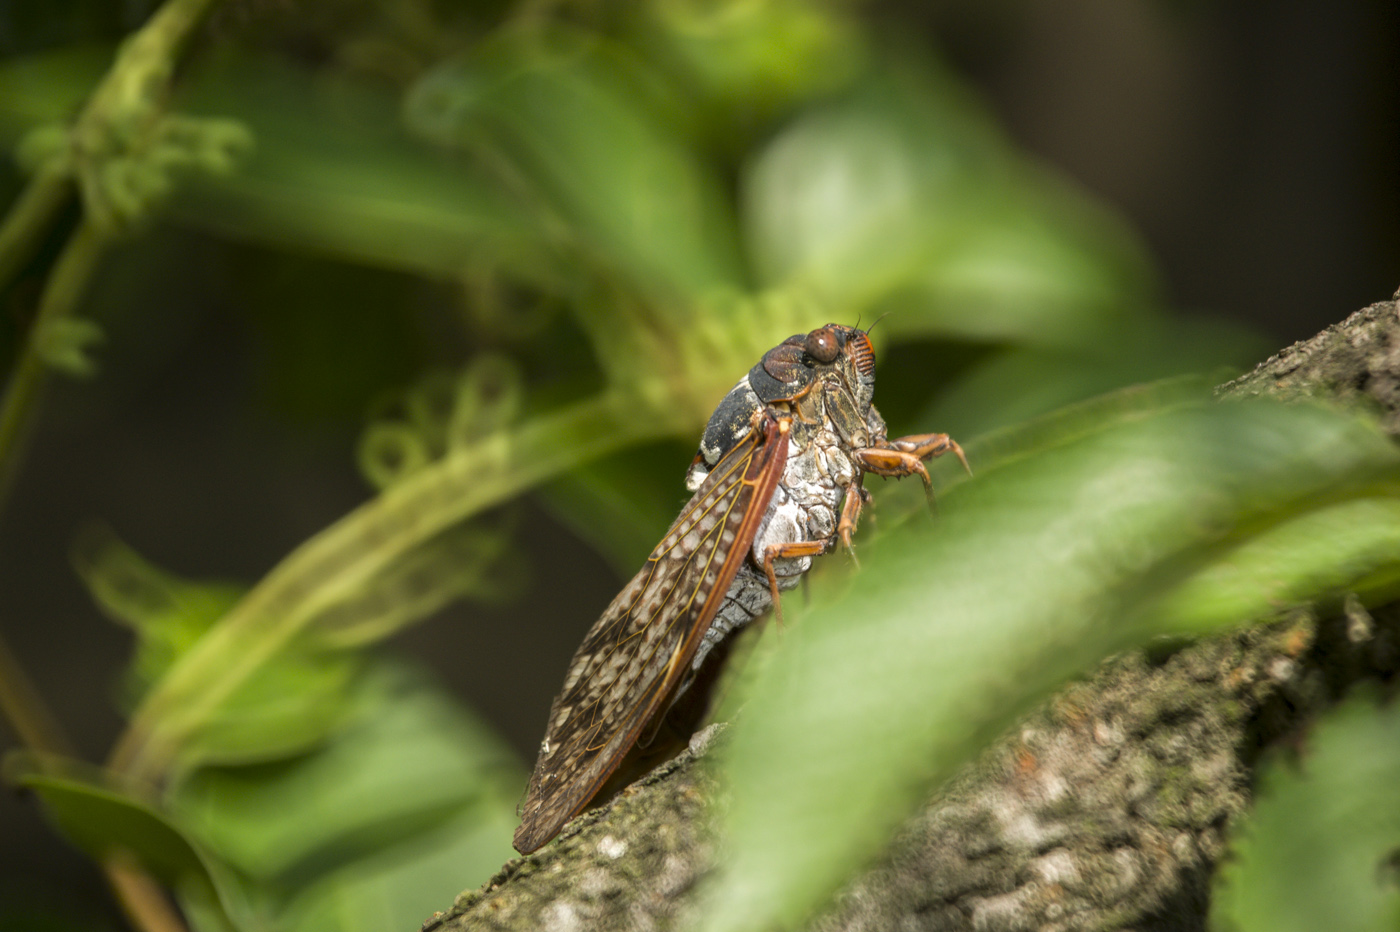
x=748, y=60
x=1320, y=849
x=901, y=194
x=287, y=705
x=407, y=804
x=107, y=821
x=1059, y=552
x=596, y=141
x=1016, y=384
x=334, y=172
x=400, y=886
x=406, y=760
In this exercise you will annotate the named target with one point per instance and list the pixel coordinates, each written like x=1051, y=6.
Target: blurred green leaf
x=1054, y=556
x=409, y=802
x=1349, y=547
x=586, y=131
x=622, y=504
x=401, y=886
x=1320, y=849
x=107, y=822
x=287, y=705
x=748, y=60
x=290, y=704
x=48, y=87
x=901, y=194
x=167, y=613
x=333, y=172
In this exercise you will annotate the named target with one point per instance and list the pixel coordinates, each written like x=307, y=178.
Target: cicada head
x=785, y=372
x=791, y=366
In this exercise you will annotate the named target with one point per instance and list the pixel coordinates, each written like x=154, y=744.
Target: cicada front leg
x=904, y=456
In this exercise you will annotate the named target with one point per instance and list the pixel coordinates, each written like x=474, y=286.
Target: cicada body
x=776, y=482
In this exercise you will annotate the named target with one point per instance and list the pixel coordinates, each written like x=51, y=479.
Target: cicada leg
x=856, y=499
x=798, y=548
x=904, y=456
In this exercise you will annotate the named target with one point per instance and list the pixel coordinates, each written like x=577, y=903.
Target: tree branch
x=1107, y=808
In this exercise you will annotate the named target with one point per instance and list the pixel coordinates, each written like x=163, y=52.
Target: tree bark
x=1109, y=807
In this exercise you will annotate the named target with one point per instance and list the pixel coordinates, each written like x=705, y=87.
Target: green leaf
x=409, y=803
x=107, y=822
x=1345, y=548
x=167, y=613
x=48, y=87
x=1052, y=557
x=901, y=195
x=622, y=504
x=401, y=886
x=287, y=705
x=290, y=704
x=332, y=172
x=1320, y=849
x=754, y=59
x=596, y=140
x=406, y=761
x=1019, y=383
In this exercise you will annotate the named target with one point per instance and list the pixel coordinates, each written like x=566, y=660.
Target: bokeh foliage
x=627, y=206
x=1320, y=850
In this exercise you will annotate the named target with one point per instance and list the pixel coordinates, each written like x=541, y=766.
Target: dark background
x=1256, y=146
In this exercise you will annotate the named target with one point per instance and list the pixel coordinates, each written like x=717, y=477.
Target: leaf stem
x=21, y=706
x=137, y=78
x=141, y=72
x=344, y=557
x=33, y=212
x=65, y=286
x=139, y=75
x=142, y=899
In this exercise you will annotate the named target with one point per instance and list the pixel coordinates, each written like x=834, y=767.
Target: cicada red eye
x=822, y=345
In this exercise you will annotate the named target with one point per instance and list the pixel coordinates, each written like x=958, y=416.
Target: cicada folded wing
x=636, y=655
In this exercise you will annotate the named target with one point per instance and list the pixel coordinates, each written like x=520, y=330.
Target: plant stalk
x=64, y=288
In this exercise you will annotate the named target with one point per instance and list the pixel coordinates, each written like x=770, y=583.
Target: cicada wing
x=636, y=653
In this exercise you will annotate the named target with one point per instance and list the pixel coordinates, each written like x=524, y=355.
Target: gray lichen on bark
x=1354, y=362
x=1108, y=808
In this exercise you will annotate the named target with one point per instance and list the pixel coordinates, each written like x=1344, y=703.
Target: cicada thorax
x=832, y=359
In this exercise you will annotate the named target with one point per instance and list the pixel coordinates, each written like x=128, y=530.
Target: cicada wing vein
x=636, y=654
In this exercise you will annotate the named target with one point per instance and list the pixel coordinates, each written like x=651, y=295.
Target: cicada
x=777, y=481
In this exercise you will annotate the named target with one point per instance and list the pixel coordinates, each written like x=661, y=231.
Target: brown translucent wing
x=635, y=655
